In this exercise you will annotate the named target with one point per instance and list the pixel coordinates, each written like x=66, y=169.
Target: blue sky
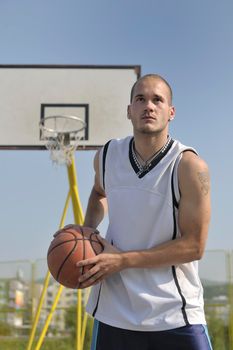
x=189, y=42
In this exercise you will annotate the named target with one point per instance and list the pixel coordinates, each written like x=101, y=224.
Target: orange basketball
x=68, y=247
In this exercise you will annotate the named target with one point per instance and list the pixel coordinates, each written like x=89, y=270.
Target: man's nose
x=149, y=105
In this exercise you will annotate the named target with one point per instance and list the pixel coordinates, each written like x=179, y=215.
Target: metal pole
x=77, y=208
x=48, y=320
x=78, y=218
x=37, y=316
x=45, y=287
x=84, y=325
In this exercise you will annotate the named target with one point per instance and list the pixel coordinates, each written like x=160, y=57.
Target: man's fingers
x=94, y=279
x=90, y=273
x=87, y=262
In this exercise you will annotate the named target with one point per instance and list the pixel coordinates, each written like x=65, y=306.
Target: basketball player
x=147, y=293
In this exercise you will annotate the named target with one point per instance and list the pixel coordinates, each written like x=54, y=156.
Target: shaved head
x=155, y=77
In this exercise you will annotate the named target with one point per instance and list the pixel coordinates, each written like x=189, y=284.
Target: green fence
x=216, y=274
x=21, y=284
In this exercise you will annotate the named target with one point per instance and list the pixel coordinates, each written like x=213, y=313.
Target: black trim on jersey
x=181, y=295
x=173, y=190
x=174, y=200
x=175, y=205
x=97, y=303
x=153, y=162
x=134, y=165
x=104, y=160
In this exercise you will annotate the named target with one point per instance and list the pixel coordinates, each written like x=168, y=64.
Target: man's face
x=150, y=109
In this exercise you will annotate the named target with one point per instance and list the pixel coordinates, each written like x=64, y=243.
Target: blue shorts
x=191, y=337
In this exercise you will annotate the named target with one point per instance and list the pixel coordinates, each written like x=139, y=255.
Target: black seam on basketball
x=96, y=233
x=58, y=244
x=93, y=238
x=96, y=241
x=70, y=240
x=63, y=242
x=84, y=248
x=64, y=230
x=71, y=232
x=66, y=258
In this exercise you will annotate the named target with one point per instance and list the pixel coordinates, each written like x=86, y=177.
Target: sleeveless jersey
x=143, y=212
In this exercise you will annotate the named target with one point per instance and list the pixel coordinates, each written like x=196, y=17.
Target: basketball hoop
x=61, y=134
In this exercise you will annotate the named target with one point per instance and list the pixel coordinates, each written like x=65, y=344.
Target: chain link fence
x=216, y=272
x=21, y=285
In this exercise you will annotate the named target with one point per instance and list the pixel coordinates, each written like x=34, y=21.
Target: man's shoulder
x=118, y=142
x=113, y=145
x=192, y=162
x=180, y=147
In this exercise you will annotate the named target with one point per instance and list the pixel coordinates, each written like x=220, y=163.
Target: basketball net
x=61, y=135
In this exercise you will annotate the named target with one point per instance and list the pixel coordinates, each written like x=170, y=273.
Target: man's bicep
x=194, y=207
x=98, y=186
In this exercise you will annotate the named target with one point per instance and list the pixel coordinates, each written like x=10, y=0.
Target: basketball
x=69, y=246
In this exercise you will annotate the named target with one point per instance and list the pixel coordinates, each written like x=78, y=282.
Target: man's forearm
x=179, y=251
x=96, y=209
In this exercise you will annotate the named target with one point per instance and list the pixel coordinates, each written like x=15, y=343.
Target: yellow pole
x=46, y=282
x=77, y=208
x=84, y=325
x=43, y=333
x=62, y=222
x=33, y=290
x=41, y=301
x=78, y=218
x=79, y=322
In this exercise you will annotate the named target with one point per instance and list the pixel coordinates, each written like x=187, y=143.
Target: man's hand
x=102, y=265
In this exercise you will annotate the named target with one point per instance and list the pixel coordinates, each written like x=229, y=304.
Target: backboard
x=99, y=95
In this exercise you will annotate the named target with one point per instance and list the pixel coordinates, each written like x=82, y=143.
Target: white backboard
x=99, y=95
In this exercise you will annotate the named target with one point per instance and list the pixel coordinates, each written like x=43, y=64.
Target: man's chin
x=148, y=131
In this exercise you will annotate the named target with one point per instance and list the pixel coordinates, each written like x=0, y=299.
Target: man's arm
x=193, y=221
x=97, y=203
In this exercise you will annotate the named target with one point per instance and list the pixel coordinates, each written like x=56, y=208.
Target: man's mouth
x=148, y=117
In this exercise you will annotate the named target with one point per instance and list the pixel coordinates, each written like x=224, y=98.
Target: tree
x=70, y=322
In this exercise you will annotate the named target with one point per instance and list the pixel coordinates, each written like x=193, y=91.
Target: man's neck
x=147, y=145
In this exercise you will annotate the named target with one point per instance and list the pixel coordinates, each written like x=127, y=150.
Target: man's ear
x=128, y=112
x=172, y=113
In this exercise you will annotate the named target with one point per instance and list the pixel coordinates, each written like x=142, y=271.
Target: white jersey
x=143, y=207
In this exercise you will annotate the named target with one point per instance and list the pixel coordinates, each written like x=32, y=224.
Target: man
x=147, y=293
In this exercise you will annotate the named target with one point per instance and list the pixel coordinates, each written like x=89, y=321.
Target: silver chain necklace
x=144, y=165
